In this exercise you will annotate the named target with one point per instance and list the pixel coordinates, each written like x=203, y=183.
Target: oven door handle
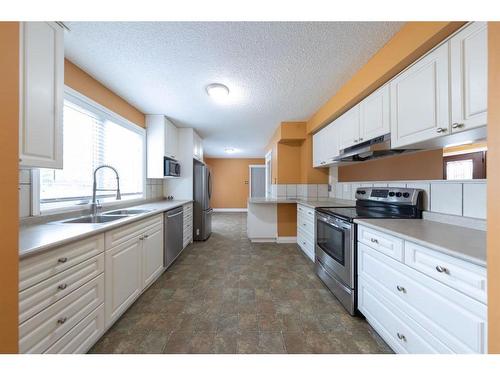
x=333, y=224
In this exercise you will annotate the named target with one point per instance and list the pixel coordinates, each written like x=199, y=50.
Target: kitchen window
x=93, y=136
x=465, y=166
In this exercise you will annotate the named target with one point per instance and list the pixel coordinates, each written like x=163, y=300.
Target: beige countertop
x=313, y=203
x=37, y=238
x=457, y=241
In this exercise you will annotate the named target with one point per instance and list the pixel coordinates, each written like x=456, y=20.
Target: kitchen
x=353, y=220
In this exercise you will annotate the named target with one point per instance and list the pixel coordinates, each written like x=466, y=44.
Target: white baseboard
x=286, y=240
x=263, y=240
x=230, y=210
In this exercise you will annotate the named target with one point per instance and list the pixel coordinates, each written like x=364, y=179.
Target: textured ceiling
x=276, y=71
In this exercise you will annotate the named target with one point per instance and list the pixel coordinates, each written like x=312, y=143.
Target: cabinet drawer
x=82, y=336
x=306, y=224
x=37, y=268
x=39, y=296
x=455, y=319
x=385, y=243
x=44, y=329
x=306, y=244
x=463, y=276
x=123, y=234
x=306, y=211
x=401, y=333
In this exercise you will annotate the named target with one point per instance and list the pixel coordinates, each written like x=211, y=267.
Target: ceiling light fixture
x=229, y=150
x=218, y=91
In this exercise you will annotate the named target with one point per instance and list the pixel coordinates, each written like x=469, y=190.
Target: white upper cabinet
x=469, y=77
x=325, y=146
x=420, y=100
x=170, y=140
x=348, y=125
x=375, y=113
x=162, y=140
x=197, y=147
x=41, y=94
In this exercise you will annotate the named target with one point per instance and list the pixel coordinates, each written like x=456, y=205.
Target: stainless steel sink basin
x=126, y=212
x=94, y=219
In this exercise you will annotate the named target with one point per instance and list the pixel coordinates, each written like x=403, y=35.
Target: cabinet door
x=348, y=125
x=420, y=100
x=170, y=140
x=318, y=152
x=123, y=278
x=375, y=115
x=152, y=265
x=42, y=95
x=469, y=77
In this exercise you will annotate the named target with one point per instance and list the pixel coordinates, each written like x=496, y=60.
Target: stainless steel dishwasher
x=173, y=235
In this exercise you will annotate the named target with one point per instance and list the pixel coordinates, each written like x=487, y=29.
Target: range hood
x=373, y=149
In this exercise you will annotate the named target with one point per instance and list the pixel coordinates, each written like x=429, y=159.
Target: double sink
x=105, y=217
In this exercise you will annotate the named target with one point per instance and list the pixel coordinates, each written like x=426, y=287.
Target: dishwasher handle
x=174, y=215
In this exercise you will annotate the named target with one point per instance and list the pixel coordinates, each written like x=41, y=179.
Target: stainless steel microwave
x=171, y=168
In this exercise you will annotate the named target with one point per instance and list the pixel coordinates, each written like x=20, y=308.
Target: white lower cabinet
x=305, y=230
x=70, y=295
x=417, y=313
x=187, y=224
x=123, y=278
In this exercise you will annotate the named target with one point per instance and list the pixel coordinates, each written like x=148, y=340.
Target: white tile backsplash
x=291, y=191
x=312, y=191
x=281, y=191
x=461, y=198
x=301, y=190
x=474, y=204
x=446, y=198
x=323, y=191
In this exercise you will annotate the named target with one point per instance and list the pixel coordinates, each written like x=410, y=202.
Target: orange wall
x=9, y=217
x=230, y=181
x=288, y=163
x=411, y=42
x=287, y=220
x=424, y=165
x=493, y=234
x=82, y=82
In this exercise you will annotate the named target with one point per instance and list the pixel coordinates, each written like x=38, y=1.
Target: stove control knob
x=362, y=192
x=406, y=195
x=391, y=194
x=398, y=194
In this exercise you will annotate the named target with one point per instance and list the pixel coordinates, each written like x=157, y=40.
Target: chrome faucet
x=95, y=206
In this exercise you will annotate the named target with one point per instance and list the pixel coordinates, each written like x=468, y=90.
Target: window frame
x=478, y=161
x=92, y=106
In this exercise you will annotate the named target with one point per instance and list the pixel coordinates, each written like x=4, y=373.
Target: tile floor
x=227, y=295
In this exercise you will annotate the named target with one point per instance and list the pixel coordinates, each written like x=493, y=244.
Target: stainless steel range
x=336, y=233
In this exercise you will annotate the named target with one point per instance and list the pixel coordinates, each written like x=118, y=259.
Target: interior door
x=257, y=181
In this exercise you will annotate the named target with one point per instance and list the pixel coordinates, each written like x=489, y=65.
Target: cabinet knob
x=374, y=240
x=360, y=139
x=62, y=286
x=401, y=337
x=442, y=269
x=441, y=130
x=62, y=260
x=146, y=236
x=62, y=320
x=401, y=289
x=457, y=125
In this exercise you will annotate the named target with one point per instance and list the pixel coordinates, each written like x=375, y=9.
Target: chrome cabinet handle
x=442, y=269
x=401, y=337
x=62, y=320
x=360, y=139
x=141, y=238
x=62, y=260
x=374, y=240
x=401, y=289
x=441, y=130
x=146, y=236
x=62, y=286
x=457, y=125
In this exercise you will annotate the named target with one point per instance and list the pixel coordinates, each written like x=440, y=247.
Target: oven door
x=335, y=248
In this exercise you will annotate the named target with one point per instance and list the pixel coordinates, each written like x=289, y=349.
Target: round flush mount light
x=218, y=91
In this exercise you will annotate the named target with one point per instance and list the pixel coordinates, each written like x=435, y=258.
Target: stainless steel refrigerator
x=202, y=212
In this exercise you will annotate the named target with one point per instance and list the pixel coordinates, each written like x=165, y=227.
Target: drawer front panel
x=463, y=276
x=37, y=268
x=306, y=225
x=44, y=329
x=455, y=319
x=82, y=336
x=385, y=243
x=123, y=234
x=398, y=330
x=306, y=211
x=305, y=244
x=42, y=295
